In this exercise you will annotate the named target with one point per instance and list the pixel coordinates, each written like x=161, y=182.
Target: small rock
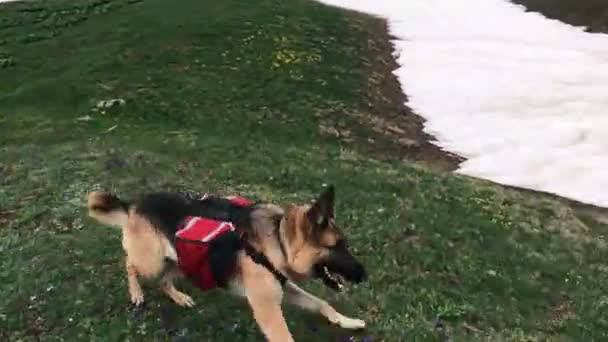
x=408, y=142
x=104, y=104
x=84, y=118
x=7, y=62
x=110, y=129
x=395, y=129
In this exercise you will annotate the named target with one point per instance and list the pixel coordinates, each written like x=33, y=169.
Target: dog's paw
x=350, y=323
x=182, y=299
x=137, y=298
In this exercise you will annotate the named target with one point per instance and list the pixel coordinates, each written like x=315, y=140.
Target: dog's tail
x=108, y=209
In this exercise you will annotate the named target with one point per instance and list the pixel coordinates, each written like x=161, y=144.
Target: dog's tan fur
x=146, y=251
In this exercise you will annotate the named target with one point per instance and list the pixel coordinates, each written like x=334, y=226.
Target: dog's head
x=317, y=248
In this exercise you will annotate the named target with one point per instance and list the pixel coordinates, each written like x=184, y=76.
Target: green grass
x=227, y=96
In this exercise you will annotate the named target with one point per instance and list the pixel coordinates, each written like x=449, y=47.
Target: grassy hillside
x=269, y=99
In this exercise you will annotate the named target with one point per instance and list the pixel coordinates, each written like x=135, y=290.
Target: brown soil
x=593, y=14
x=385, y=127
x=399, y=123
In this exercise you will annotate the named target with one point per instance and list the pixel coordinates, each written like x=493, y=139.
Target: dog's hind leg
x=307, y=301
x=135, y=291
x=167, y=286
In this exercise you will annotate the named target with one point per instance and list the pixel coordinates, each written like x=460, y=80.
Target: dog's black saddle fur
x=167, y=210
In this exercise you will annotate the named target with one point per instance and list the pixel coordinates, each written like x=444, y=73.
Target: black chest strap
x=261, y=259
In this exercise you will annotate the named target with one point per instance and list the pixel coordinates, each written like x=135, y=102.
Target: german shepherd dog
x=299, y=242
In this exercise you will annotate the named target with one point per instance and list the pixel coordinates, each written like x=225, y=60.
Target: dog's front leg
x=135, y=291
x=264, y=295
x=297, y=296
x=270, y=319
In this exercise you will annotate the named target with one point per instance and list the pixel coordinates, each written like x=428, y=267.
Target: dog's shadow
x=218, y=316
x=173, y=323
x=313, y=328
x=212, y=318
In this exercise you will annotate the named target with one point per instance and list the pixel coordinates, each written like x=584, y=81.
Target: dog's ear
x=323, y=209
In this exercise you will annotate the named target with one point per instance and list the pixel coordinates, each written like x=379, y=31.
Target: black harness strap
x=277, y=233
x=261, y=259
